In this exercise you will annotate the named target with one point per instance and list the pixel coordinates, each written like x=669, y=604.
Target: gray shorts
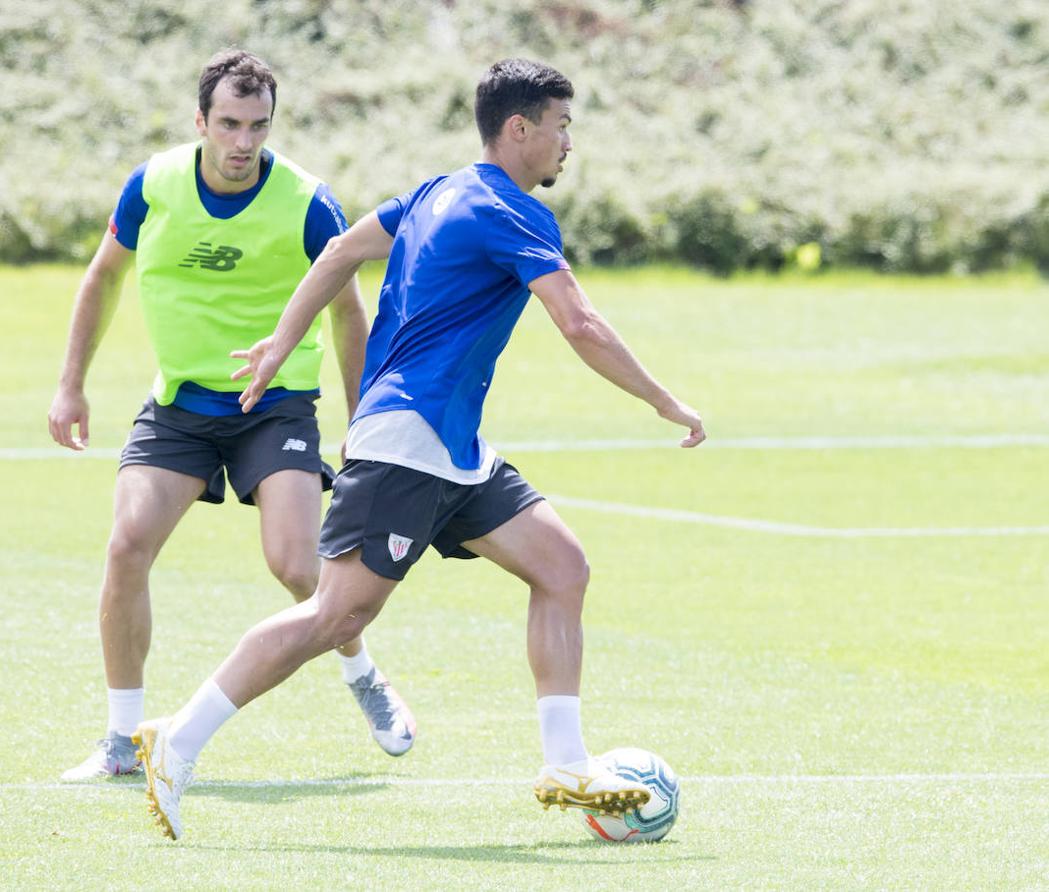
x=246, y=447
x=392, y=513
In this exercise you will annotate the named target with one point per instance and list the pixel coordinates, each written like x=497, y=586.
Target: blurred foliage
x=893, y=134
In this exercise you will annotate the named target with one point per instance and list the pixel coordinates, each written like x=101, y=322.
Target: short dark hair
x=516, y=87
x=248, y=76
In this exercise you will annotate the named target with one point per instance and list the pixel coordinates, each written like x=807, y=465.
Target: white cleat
x=114, y=755
x=389, y=718
x=167, y=774
x=587, y=784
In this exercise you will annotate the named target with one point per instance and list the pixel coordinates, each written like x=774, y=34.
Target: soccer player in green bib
x=222, y=231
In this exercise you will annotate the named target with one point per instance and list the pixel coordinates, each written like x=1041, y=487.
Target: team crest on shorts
x=398, y=546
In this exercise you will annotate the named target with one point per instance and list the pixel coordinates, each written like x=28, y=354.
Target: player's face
x=549, y=142
x=233, y=136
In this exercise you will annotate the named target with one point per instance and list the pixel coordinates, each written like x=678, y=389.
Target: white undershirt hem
x=403, y=437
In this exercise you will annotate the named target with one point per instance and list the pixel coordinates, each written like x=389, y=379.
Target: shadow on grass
x=285, y=790
x=585, y=852
x=261, y=791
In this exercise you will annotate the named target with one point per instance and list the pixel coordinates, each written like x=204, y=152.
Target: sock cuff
x=125, y=693
x=218, y=698
x=558, y=701
x=126, y=710
x=560, y=729
x=356, y=666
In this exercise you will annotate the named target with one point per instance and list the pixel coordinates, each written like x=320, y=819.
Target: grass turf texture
x=847, y=713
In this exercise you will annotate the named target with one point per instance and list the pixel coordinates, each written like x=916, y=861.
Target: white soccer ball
x=654, y=819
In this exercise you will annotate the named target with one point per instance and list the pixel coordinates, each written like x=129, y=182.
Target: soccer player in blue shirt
x=465, y=250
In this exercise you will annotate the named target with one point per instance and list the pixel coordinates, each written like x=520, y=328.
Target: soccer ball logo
x=655, y=818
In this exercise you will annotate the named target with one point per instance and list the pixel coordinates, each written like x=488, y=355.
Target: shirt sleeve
x=391, y=211
x=131, y=210
x=324, y=221
x=527, y=247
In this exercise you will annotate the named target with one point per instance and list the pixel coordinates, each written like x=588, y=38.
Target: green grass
x=868, y=713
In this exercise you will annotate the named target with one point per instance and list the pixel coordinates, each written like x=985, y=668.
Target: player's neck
x=512, y=168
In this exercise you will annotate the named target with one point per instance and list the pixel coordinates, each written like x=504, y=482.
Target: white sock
x=354, y=667
x=126, y=710
x=196, y=723
x=561, y=729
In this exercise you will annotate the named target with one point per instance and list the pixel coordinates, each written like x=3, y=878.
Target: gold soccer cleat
x=588, y=785
x=167, y=775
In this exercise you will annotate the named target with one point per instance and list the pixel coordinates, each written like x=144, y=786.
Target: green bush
x=892, y=134
x=707, y=233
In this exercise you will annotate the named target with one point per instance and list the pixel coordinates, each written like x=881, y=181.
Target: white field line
x=757, y=525
x=746, y=524
x=973, y=441
x=714, y=779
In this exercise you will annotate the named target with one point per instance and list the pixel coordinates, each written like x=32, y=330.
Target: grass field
x=831, y=619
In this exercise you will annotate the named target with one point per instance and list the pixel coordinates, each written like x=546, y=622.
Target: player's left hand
x=262, y=366
x=679, y=413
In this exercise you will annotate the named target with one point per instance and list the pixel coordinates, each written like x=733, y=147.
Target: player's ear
x=202, y=124
x=516, y=127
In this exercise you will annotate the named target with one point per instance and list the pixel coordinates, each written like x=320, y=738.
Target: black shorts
x=247, y=447
x=392, y=513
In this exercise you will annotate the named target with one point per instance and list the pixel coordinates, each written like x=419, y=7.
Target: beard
x=549, y=181
x=234, y=175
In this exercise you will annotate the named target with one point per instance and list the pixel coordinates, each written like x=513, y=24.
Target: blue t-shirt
x=465, y=248
x=324, y=220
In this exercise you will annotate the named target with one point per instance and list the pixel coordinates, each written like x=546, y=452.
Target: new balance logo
x=221, y=259
x=292, y=445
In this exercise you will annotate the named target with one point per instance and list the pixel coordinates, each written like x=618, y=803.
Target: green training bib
x=209, y=286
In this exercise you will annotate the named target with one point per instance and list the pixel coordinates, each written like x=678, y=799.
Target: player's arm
x=601, y=348
x=96, y=299
x=329, y=275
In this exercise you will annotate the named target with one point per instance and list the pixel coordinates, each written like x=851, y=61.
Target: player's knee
x=297, y=574
x=340, y=628
x=578, y=575
x=582, y=568
x=567, y=575
x=575, y=586
x=129, y=549
x=335, y=621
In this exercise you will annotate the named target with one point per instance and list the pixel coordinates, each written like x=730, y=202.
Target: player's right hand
x=262, y=366
x=69, y=408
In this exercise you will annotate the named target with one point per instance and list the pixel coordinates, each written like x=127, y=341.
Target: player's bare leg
x=538, y=547
x=289, y=504
x=348, y=597
x=148, y=503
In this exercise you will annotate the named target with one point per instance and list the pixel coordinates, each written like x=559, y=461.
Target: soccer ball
x=654, y=819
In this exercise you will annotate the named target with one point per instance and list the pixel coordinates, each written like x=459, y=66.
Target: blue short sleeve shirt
x=466, y=246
